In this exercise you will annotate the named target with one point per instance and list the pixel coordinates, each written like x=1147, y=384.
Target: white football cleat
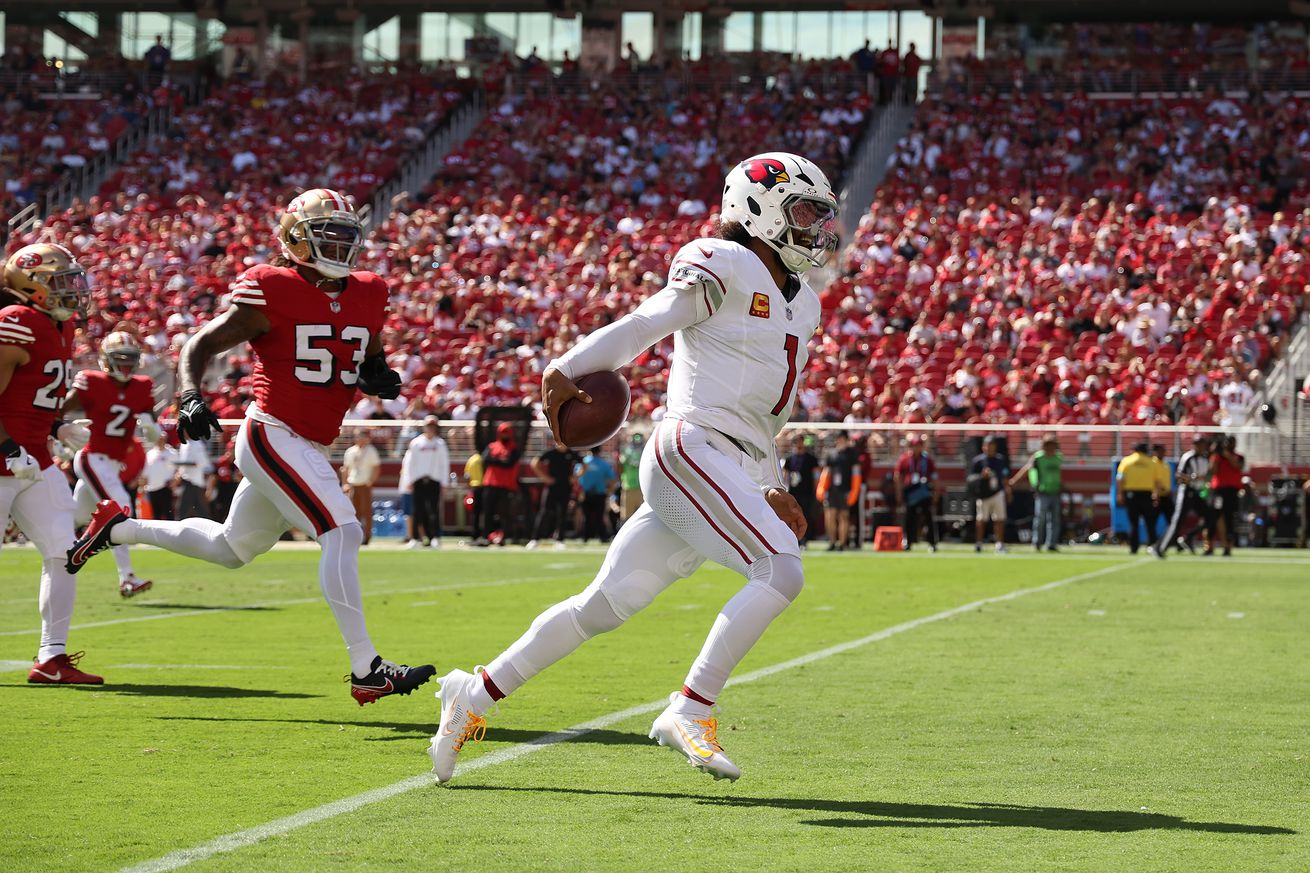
x=696, y=739
x=459, y=723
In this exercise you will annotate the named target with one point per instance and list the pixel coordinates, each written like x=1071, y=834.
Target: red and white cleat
x=95, y=539
x=62, y=670
x=132, y=586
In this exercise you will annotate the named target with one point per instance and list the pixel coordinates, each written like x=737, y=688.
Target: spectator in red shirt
x=1226, y=467
x=500, y=484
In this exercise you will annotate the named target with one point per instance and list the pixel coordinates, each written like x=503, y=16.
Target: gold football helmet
x=320, y=230
x=48, y=277
x=120, y=355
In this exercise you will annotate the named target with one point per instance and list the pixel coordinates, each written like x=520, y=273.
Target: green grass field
x=1144, y=716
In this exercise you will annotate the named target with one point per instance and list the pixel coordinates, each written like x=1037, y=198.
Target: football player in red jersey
x=315, y=328
x=117, y=401
x=36, y=339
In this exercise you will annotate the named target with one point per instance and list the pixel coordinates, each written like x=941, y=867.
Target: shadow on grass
x=209, y=691
x=206, y=607
x=425, y=729
x=874, y=814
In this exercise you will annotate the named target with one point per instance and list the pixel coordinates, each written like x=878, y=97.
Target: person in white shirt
x=193, y=468
x=423, y=470
x=741, y=314
x=161, y=466
x=359, y=470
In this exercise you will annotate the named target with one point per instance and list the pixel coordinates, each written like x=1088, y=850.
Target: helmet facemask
x=333, y=244
x=68, y=294
x=121, y=363
x=810, y=237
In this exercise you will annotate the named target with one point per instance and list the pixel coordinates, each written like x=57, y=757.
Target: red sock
x=688, y=693
x=496, y=693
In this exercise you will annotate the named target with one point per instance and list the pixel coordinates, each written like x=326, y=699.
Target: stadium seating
x=175, y=224
x=1136, y=268
x=560, y=214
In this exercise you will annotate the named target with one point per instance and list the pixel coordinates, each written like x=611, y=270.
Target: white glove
x=75, y=434
x=149, y=431
x=23, y=465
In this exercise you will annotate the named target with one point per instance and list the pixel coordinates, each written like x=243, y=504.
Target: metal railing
x=1083, y=446
x=869, y=164
x=1282, y=391
x=80, y=183
x=419, y=168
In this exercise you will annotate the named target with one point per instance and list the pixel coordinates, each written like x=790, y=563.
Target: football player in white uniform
x=741, y=315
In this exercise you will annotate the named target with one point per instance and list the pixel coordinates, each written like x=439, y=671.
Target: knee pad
x=783, y=573
x=592, y=613
x=228, y=558
x=630, y=593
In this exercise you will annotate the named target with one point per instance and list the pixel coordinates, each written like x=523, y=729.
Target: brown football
x=587, y=425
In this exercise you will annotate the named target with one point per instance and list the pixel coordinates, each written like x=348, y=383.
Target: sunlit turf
x=1152, y=717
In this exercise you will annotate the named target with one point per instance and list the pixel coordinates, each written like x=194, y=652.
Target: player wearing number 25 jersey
x=36, y=336
x=741, y=315
x=117, y=401
x=315, y=328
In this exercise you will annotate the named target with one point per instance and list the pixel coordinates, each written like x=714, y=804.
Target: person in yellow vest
x=473, y=473
x=1141, y=481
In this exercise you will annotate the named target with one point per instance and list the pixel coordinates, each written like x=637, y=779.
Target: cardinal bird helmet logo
x=767, y=172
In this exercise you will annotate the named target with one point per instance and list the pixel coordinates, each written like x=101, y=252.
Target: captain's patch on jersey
x=760, y=305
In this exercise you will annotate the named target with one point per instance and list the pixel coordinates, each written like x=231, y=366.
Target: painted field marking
x=250, y=836
x=299, y=601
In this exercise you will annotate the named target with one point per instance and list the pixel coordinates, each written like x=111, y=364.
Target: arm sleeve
x=678, y=305
x=443, y=463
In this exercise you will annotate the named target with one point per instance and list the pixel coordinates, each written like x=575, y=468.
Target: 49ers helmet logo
x=767, y=172
x=29, y=260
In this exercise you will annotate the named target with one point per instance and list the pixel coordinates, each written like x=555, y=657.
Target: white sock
x=124, y=562
x=193, y=537
x=58, y=593
x=481, y=700
x=684, y=705
x=338, y=576
x=738, y=627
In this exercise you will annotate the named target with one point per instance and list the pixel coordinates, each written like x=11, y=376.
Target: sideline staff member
x=1140, y=486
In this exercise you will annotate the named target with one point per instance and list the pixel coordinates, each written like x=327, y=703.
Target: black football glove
x=195, y=420
x=377, y=379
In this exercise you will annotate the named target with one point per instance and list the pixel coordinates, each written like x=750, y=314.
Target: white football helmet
x=320, y=229
x=786, y=201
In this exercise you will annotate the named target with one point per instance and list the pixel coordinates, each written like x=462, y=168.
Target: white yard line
x=250, y=836
x=299, y=601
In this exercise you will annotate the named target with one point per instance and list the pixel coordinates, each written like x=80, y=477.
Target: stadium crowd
x=1144, y=265
x=1137, y=270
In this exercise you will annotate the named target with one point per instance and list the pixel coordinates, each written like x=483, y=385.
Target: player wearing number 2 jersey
x=117, y=402
x=741, y=315
x=36, y=337
x=315, y=328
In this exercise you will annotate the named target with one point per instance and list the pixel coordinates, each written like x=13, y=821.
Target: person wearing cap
x=500, y=483
x=916, y=489
x=799, y=469
x=423, y=470
x=1045, y=476
x=1139, y=487
x=839, y=488
x=989, y=480
x=1193, y=497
